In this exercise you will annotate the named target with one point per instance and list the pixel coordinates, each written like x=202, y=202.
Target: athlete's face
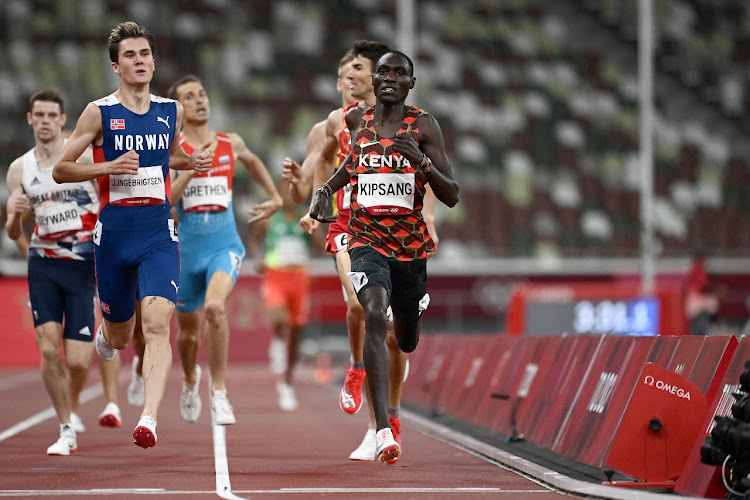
x=360, y=77
x=194, y=99
x=46, y=120
x=343, y=85
x=135, y=61
x=392, y=79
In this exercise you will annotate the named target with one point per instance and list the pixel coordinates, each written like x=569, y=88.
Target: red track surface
x=270, y=453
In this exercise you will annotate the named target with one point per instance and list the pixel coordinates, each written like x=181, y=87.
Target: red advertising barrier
x=596, y=411
x=476, y=355
x=698, y=479
x=17, y=333
x=426, y=376
x=663, y=417
x=494, y=365
x=462, y=351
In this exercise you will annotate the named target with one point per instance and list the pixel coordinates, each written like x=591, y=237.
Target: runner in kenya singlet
x=387, y=194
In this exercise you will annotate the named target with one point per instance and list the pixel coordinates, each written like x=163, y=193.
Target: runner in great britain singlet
x=61, y=251
x=136, y=246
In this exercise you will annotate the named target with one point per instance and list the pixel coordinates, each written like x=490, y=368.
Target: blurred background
x=538, y=102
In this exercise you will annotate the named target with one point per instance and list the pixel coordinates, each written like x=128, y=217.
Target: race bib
x=207, y=194
x=292, y=251
x=346, y=196
x=58, y=219
x=145, y=188
x=386, y=194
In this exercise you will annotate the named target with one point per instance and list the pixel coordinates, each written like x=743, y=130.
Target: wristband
x=326, y=190
x=426, y=164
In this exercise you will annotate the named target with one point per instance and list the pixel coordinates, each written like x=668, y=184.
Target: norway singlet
x=136, y=243
x=209, y=241
x=64, y=214
x=338, y=230
x=387, y=194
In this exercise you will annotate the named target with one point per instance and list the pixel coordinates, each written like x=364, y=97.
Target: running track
x=267, y=454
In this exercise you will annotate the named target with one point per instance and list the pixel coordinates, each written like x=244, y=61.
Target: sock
x=393, y=412
x=220, y=393
x=359, y=365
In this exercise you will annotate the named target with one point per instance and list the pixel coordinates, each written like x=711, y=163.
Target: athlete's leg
x=374, y=301
x=49, y=339
x=78, y=360
x=217, y=328
x=355, y=317
x=110, y=372
x=139, y=343
x=156, y=313
x=189, y=342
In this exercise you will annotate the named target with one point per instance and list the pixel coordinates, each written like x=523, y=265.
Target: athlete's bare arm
x=300, y=177
x=89, y=131
x=330, y=145
x=260, y=175
x=200, y=160
x=428, y=212
x=18, y=206
x=179, y=183
x=432, y=144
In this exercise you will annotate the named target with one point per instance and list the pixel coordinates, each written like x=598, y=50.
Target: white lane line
x=282, y=491
x=223, y=486
x=87, y=394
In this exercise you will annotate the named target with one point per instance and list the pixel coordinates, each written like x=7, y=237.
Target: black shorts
x=63, y=288
x=404, y=281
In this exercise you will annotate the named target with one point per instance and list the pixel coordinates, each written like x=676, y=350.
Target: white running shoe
x=277, y=355
x=222, y=409
x=144, y=434
x=135, y=388
x=111, y=416
x=66, y=443
x=287, y=397
x=387, y=448
x=103, y=348
x=190, y=401
x=367, y=449
x=76, y=423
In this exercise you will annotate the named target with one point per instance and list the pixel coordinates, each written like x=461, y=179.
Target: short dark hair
x=371, y=49
x=399, y=53
x=172, y=92
x=46, y=96
x=123, y=31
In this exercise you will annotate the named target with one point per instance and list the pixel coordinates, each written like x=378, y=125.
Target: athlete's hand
x=291, y=171
x=125, y=164
x=318, y=208
x=263, y=210
x=308, y=224
x=405, y=145
x=200, y=160
x=21, y=203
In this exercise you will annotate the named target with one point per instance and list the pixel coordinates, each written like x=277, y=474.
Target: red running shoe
x=396, y=428
x=350, y=399
x=145, y=434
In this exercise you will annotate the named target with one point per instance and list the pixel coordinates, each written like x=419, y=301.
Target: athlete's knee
x=215, y=311
x=154, y=324
x=49, y=353
x=77, y=367
x=354, y=308
x=408, y=340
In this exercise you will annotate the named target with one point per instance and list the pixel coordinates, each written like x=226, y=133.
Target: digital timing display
x=635, y=316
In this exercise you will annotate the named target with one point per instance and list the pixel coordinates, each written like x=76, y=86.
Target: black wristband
x=326, y=190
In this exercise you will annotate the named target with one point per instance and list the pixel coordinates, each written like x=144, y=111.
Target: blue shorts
x=201, y=258
x=62, y=288
x=132, y=264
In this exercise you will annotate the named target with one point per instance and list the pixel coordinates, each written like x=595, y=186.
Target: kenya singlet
x=387, y=194
x=64, y=214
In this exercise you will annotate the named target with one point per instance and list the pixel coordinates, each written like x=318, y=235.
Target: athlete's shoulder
x=158, y=98
x=109, y=100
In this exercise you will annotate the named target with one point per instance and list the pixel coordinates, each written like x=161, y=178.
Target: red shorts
x=288, y=288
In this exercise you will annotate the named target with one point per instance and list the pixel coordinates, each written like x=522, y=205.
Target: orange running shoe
x=350, y=399
x=396, y=428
